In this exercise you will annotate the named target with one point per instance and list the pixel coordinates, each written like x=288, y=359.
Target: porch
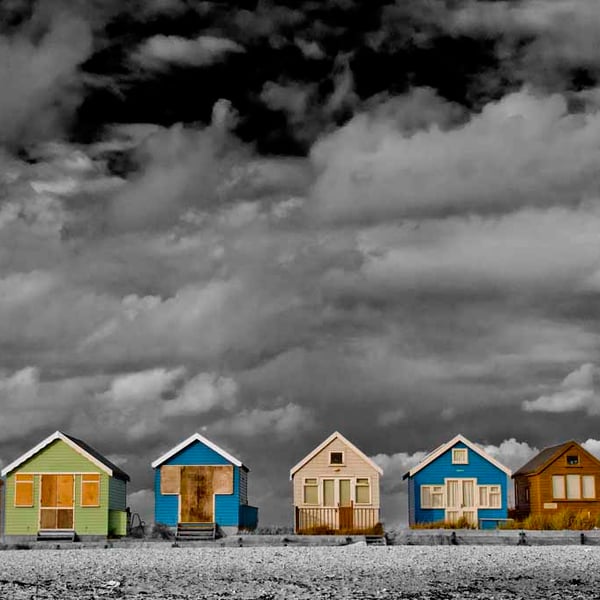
x=335, y=519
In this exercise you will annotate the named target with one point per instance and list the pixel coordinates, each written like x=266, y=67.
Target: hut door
x=56, y=502
x=196, y=495
x=460, y=500
x=346, y=509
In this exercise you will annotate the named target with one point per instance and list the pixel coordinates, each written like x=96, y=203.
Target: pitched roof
x=196, y=437
x=547, y=456
x=445, y=447
x=81, y=447
x=333, y=436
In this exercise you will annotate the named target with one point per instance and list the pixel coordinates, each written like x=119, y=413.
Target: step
x=196, y=531
x=56, y=534
x=375, y=540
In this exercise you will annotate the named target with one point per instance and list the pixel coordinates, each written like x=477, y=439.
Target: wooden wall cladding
x=170, y=479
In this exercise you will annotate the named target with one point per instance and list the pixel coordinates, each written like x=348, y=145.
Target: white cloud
x=577, y=392
x=511, y=453
x=592, y=446
x=135, y=389
x=541, y=155
x=161, y=50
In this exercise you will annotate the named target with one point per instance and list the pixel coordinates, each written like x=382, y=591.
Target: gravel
x=432, y=572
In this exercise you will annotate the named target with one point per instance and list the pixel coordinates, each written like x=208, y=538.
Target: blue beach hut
x=199, y=487
x=458, y=483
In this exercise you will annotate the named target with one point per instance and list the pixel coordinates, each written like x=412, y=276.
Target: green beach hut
x=64, y=489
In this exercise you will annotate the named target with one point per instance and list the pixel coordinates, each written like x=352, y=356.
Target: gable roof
x=445, y=447
x=196, y=437
x=79, y=446
x=547, y=456
x=324, y=444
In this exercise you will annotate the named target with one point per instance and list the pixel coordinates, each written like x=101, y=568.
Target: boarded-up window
x=23, y=490
x=589, y=486
x=363, y=494
x=223, y=480
x=170, y=479
x=328, y=492
x=425, y=496
x=311, y=491
x=573, y=491
x=558, y=486
x=90, y=490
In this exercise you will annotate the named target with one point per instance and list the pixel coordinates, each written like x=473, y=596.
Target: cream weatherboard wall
x=354, y=467
x=60, y=458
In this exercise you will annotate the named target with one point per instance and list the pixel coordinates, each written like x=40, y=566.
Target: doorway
x=57, y=502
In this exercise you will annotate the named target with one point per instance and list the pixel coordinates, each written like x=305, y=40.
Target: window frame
x=456, y=452
x=30, y=482
x=311, y=485
x=577, y=462
x=93, y=478
x=362, y=486
x=336, y=464
x=441, y=494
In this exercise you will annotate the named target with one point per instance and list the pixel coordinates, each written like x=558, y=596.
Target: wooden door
x=196, y=495
x=56, y=502
x=460, y=500
x=345, y=504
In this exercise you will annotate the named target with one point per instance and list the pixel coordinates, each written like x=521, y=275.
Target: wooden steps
x=375, y=540
x=191, y=532
x=65, y=535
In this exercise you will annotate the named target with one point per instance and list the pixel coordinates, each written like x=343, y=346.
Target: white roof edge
x=57, y=435
x=445, y=447
x=196, y=437
x=323, y=444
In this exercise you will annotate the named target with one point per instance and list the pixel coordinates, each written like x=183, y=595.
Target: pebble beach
x=427, y=572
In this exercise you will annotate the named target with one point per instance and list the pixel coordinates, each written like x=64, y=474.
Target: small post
x=522, y=539
x=453, y=540
x=582, y=538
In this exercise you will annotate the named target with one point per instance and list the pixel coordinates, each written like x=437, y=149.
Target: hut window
x=90, y=490
x=24, y=490
x=489, y=496
x=336, y=458
x=572, y=459
x=363, y=491
x=328, y=492
x=432, y=496
x=311, y=491
x=589, y=486
x=573, y=488
x=558, y=487
x=460, y=456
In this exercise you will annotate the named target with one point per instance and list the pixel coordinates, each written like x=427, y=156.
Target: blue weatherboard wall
x=442, y=468
x=227, y=506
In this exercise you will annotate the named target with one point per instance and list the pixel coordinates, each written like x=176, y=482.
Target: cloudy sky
x=268, y=220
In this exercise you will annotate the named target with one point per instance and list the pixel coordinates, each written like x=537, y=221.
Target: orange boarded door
x=56, y=503
x=196, y=495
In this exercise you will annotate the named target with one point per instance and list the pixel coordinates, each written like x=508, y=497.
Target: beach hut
x=200, y=488
x=336, y=489
x=560, y=477
x=63, y=488
x=458, y=483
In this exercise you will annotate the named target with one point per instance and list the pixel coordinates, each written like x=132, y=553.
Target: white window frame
x=81, y=483
x=317, y=485
x=356, y=486
x=343, y=463
x=490, y=490
x=560, y=478
x=583, y=496
x=456, y=452
x=440, y=493
x=31, y=483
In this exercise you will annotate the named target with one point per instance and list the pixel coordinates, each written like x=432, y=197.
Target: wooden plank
x=90, y=490
x=223, y=479
x=64, y=491
x=170, y=479
x=23, y=490
x=48, y=518
x=196, y=494
x=64, y=519
x=48, y=495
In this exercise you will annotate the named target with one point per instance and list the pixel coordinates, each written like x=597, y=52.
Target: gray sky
x=268, y=222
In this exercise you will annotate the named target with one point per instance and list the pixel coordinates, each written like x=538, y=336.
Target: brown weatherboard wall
x=540, y=485
x=354, y=466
